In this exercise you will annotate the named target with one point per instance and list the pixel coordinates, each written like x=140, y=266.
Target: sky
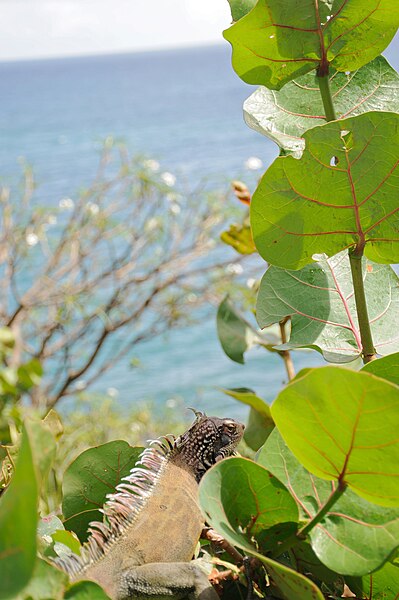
x=50, y=28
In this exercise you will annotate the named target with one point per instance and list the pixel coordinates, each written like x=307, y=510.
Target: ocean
x=184, y=109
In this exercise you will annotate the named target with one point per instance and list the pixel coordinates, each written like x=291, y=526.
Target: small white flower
x=168, y=178
x=253, y=163
x=66, y=204
x=152, y=165
x=93, y=208
x=151, y=224
x=32, y=239
x=175, y=208
x=80, y=385
x=233, y=268
x=191, y=297
x=171, y=402
x=251, y=282
x=112, y=392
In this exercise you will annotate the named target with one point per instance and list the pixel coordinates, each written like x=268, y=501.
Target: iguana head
x=208, y=440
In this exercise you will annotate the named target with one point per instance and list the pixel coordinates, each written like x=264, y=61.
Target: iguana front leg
x=166, y=581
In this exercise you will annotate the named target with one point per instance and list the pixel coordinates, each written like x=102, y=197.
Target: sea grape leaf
x=66, y=542
x=243, y=502
x=18, y=516
x=260, y=422
x=342, y=424
x=355, y=537
x=380, y=585
x=86, y=590
x=285, y=115
x=249, y=397
x=237, y=336
x=319, y=298
x=89, y=478
x=46, y=583
x=257, y=429
x=349, y=196
x=239, y=8
x=386, y=367
x=304, y=560
x=279, y=41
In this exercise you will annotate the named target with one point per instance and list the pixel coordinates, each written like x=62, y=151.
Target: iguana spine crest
x=123, y=507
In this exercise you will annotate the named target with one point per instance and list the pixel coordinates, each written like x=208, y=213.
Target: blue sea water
x=182, y=107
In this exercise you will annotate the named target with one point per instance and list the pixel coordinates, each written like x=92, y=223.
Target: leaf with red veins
x=279, y=41
x=342, y=193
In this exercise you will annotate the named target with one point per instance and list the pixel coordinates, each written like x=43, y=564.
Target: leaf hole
x=334, y=160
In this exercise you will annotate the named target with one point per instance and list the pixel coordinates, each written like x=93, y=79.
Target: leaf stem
x=337, y=493
x=368, y=350
x=325, y=91
x=286, y=354
x=302, y=533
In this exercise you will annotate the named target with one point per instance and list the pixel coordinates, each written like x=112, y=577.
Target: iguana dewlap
x=152, y=524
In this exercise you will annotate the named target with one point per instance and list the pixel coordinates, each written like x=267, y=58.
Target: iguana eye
x=229, y=427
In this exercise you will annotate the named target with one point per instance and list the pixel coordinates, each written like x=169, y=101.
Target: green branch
x=355, y=256
x=337, y=493
x=324, y=85
x=298, y=537
x=368, y=349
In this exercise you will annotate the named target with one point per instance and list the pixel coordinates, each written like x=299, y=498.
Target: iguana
x=152, y=524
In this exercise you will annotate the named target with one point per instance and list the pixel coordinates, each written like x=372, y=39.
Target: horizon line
x=121, y=52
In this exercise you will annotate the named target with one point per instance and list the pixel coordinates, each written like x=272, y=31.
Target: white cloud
x=38, y=28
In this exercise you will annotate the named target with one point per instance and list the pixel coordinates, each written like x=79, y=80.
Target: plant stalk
x=355, y=256
x=337, y=493
x=368, y=350
x=302, y=533
x=325, y=91
x=286, y=354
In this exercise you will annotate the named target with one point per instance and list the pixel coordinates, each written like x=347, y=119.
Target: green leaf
x=257, y=430
x=48, y=525
x=30, y=374
x=285, y=115
x=43, y=447
x=244, y=503
x=348, y=197
x=355, y=537
x=260, y=422
x=304, y=560
x=249, y=397
x=240, y=238
x=343, y=424
x=252, y=501
x=86, y=590
x=320, y=301
x=279, y=41
x=235, y=334
x=239, y=8
x=18, y=516
x=91, y=476
x=68, y=539
x=381, y=585
x=47, y=583
x=386, y=368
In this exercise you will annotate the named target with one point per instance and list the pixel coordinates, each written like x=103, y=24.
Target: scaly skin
x=146, y=547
